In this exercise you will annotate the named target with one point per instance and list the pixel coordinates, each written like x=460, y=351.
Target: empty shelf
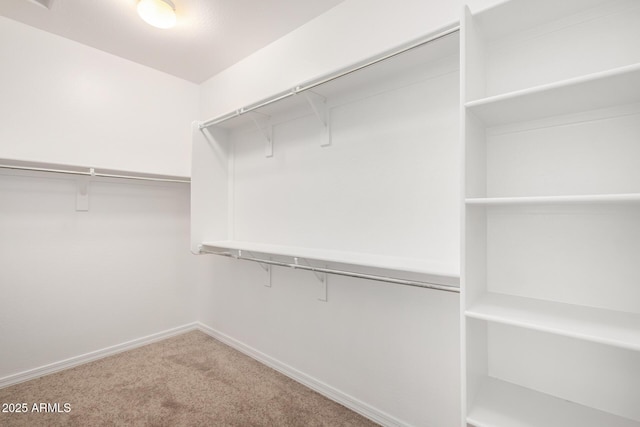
x=556, y=200
x=502, y=404
x=609, y=327
x=436, y=272
x=619, y=86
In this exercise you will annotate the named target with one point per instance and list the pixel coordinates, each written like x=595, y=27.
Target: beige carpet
x=187, y=380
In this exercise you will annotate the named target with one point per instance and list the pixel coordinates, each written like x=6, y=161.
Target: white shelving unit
x=504, y=404
x=356, y=258
x=551, y=134
x=355, y=171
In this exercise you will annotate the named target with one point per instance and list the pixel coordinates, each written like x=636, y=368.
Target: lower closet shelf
x=435, y=275
x=609, y=327
x=367, y=260
x=502, y=404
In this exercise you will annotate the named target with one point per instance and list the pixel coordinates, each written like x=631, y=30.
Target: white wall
x=77, y=282
x=64, y=102
x=74, y=282
x=350, y=32
x=393, y=348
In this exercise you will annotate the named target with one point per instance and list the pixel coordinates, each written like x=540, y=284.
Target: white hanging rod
x=326, y=79
x=379, y=278
x=92, y=172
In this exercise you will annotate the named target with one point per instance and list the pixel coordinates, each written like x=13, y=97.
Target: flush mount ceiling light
x=159, y=13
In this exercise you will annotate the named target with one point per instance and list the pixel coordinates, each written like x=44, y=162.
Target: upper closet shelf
x=89, y=171
x=443, y=277
x=594, y=91
x=311, y=97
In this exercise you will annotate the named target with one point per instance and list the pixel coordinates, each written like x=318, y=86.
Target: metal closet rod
x=326, y=79
x=378, y=278
x=93, y=172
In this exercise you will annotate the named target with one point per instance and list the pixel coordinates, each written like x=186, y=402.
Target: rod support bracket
x=324, y=284
x=264, y=266
x=318, y=104
x=263, y=123
x=322, y=277
x=82, y=194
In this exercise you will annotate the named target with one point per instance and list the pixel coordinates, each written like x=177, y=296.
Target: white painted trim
x=324, y=389
x=94, y=355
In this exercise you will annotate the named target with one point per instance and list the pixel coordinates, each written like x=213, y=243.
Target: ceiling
x=210, y=35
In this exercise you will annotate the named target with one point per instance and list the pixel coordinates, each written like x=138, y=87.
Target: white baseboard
x=94, y=355
x=326, y=390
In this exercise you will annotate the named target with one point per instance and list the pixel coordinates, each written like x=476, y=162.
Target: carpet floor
x=187, y=380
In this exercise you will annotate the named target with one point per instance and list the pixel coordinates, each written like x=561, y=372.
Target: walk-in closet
x=331, y=212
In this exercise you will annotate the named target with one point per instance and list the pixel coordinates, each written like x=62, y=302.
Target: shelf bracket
x=322, y=295
x=82, y=193
x=265, y=267
x=318, y=104
x=263, y=123
x=322, y=277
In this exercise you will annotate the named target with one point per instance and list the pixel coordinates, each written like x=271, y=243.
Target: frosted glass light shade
x=159, y=13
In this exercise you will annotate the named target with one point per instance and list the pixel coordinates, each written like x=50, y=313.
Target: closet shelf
x=291, y=103
x=622, y=198
x=499, y=403
x=32, y=166
x=436, y=273
x=590, y=92
x=602, y=326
